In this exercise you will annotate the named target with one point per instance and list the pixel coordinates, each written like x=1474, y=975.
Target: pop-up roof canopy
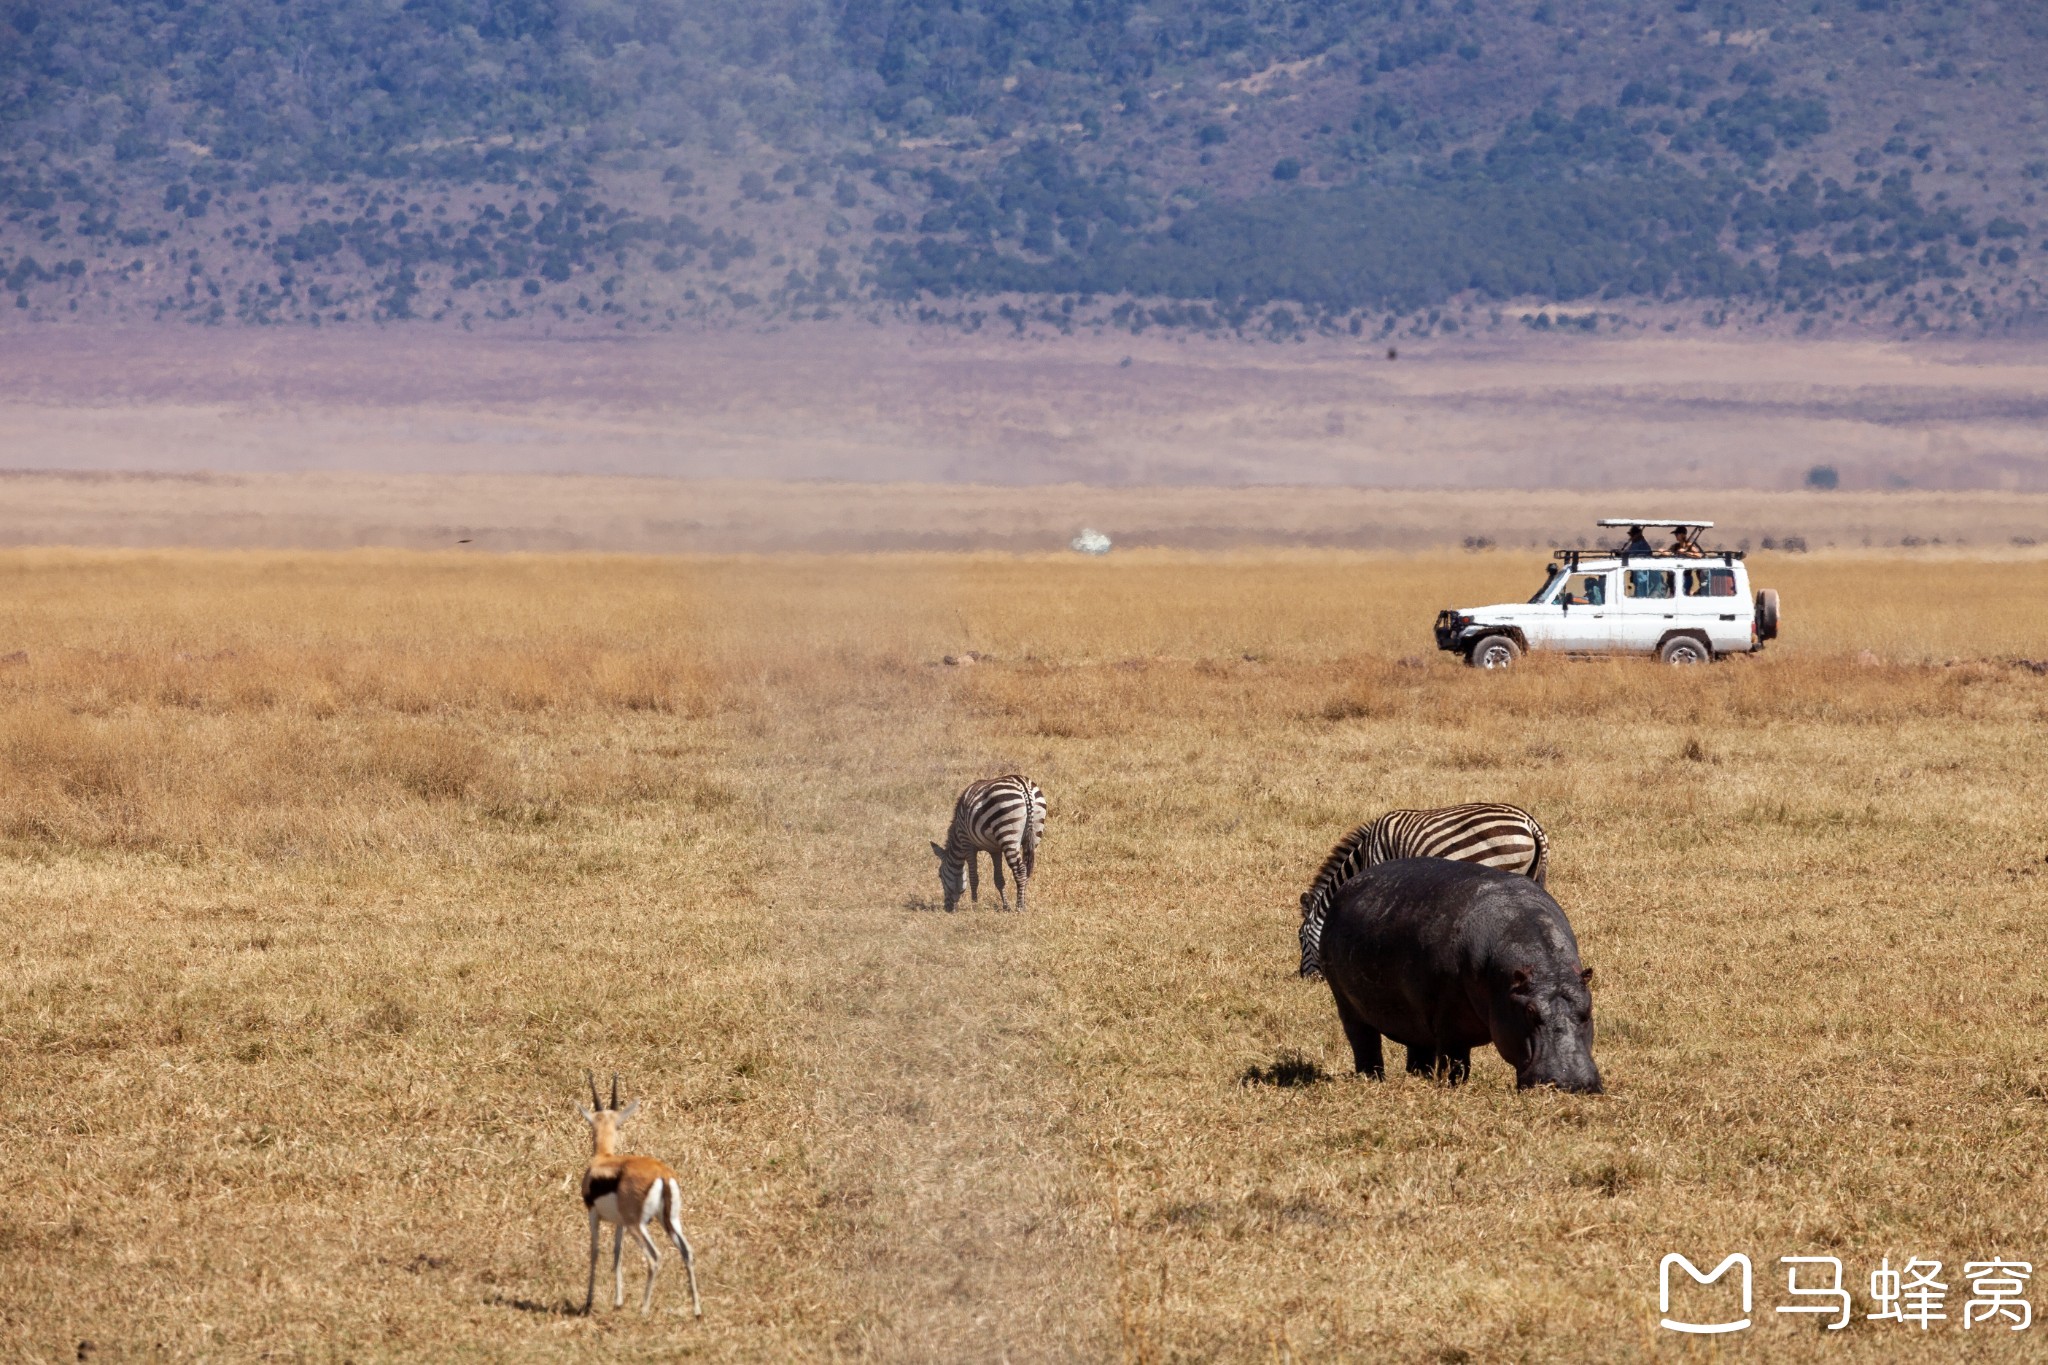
x=1673, y=522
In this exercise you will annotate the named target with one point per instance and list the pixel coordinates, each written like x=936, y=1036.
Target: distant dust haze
x=897, y=439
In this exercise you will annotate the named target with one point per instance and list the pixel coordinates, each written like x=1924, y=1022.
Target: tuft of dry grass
x=329, y=874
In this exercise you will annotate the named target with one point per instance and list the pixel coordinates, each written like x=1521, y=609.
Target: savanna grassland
x=326, y=875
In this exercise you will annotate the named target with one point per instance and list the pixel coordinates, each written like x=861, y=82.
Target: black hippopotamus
x=1442, y=956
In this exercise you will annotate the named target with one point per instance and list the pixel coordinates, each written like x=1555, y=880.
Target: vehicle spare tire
x=1767, y=613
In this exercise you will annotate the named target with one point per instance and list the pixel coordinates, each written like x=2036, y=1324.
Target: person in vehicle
x=1592, y=592
x=1647, y=583
x=1637, y=545
x=1685, y=541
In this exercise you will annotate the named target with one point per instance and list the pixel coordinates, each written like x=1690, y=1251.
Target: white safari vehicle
x=1680, y=602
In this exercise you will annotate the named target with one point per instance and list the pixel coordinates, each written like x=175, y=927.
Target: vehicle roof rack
x=1673, y=522
x=1571, y=557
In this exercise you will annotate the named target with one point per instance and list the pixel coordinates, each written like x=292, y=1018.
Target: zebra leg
x=995, y=867
x=1364, y=1039
x=1021, y=871
x=974, y=876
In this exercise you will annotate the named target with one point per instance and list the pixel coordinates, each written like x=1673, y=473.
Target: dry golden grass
x=330, y=873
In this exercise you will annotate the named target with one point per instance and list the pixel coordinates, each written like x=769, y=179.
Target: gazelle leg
x=675, y=1232
x=672, y=1223
x=619, y=1267
x=590, y=1290
x=653, y=1264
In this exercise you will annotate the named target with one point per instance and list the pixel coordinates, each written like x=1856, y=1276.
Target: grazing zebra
x=1488, y=833
x=1003, y=817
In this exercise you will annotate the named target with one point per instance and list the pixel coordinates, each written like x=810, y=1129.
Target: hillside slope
x=1372, y=166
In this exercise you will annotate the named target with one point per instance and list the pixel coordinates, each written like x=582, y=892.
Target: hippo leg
x=1364, y=1040
x=1451, y=1065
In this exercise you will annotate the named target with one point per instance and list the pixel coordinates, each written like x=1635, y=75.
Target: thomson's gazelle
x=629, y=1192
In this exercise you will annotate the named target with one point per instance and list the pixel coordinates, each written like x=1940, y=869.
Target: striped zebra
x=1488, y=833
x=1003, y=817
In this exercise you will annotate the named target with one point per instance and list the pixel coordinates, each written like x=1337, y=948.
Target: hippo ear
x=1518, y=984
x=1587, y=976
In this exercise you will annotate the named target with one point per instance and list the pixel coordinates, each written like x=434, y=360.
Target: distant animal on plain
x=1003, y=817
x=1489, y=833
x=1445, y=956
x=629, y=1192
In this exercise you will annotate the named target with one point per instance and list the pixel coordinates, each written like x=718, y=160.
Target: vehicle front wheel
x=1684, y=649
x=1494, y=651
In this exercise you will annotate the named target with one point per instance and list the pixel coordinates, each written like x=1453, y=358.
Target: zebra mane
x=1343, y=860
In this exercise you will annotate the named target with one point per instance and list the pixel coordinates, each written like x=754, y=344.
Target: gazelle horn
x=595, y=1102
x=615, y=1090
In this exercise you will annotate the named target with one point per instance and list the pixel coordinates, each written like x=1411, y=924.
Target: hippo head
x=1544, y=1029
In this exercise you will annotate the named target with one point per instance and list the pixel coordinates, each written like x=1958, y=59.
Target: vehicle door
x=1708, y=602
x=1588, y=602
x=1648, y=607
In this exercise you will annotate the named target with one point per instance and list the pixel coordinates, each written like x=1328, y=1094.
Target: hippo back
x=1443, y=918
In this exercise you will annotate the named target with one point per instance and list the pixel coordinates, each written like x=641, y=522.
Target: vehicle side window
x=1710, y=582
x=1585, y=590
x=1648, y=583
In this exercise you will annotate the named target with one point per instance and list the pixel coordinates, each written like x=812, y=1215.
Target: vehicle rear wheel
x=1494, y=651
x=1684, y=649
x=1767, y=614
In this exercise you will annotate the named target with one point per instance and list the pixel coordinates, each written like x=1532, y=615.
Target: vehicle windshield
x=1552, y=577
